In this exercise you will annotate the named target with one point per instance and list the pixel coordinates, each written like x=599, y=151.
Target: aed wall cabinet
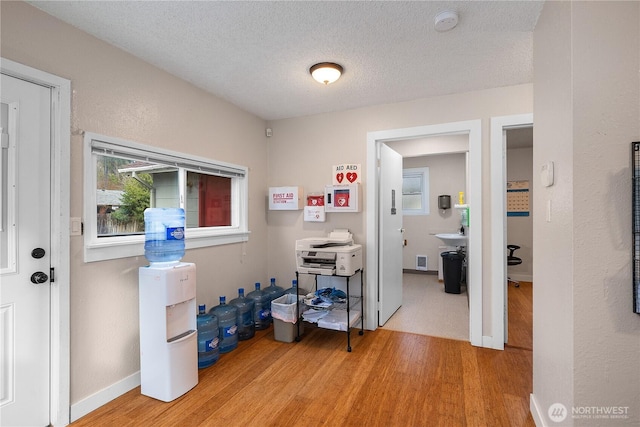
x=285, y=198
x=342, y=198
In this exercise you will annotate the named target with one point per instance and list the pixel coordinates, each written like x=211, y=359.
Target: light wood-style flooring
x=428, y=310
x=389, y=379
x=520, y=314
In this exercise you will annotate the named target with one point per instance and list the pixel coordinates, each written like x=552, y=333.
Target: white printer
x=328, y=256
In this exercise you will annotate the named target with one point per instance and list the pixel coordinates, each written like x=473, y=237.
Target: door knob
x=39, y=277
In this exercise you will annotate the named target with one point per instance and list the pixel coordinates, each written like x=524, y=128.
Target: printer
x=335, y=254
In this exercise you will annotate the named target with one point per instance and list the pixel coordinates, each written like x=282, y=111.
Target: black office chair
x=513, y=260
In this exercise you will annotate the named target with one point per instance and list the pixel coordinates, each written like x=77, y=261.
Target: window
x=415, y=191
x=123, y=178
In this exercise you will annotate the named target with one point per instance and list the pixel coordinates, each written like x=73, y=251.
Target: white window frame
x=105, y=248
x=423, y=173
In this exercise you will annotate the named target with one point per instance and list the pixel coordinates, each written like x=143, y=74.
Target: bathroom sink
x=453, y=239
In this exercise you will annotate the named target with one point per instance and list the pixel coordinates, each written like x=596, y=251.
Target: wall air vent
x=421, y=262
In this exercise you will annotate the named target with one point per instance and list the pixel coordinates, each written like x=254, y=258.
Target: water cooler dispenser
x=168, y=332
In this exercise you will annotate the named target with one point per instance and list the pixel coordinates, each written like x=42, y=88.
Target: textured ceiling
x=256, y=54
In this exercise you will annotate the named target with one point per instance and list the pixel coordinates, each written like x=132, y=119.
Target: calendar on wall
x=517, y=198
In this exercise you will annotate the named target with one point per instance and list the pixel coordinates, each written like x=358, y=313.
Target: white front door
x=391, y=237
x=25, y=253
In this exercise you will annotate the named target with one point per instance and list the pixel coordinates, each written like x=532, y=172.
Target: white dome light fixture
x=446, y=20
x=326, y=72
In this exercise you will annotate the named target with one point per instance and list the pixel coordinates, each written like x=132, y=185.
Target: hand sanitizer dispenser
x=168, y=332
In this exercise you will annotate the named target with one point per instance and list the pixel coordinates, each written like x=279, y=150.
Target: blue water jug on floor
x=227, y=325
x=273, y=291
x=208, y=351
x=246, y=314
x=262, y=314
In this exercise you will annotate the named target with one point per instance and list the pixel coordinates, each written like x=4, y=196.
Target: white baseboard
x=96, y=400
x=538, y=418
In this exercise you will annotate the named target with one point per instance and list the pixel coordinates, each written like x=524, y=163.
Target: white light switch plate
x=76, y=226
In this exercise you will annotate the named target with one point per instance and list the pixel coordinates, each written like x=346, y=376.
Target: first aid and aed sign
x=346, y=174
x=285, y=198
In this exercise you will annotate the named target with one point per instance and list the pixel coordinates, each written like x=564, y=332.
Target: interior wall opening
x=498, y=201
x=472, y=129
x=519, y=229
x=427, y=308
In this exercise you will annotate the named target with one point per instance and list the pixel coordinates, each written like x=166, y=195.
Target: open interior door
x=390, y=234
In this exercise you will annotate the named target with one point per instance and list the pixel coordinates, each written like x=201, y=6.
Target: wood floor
x=389, y=379
x=520, y=312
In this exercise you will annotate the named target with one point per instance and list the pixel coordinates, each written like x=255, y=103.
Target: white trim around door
x=473, y=129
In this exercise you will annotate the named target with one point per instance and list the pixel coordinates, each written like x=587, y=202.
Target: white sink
x=453, y=239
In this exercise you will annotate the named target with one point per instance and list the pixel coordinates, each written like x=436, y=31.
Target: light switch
x=548, y=210
x=76, y=226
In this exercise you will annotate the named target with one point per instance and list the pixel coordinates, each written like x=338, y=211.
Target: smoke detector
x=446, y=20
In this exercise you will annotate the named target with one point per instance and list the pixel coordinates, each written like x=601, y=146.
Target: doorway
x=499, y=315
x=436, y=166
x=375, y=252
x=59, y=305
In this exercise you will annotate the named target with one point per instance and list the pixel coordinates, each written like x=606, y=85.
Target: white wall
x=587, y=112
x=447, y=175
x=606, y=99
x=553, y=241
x=118, y=95
x=431, y=145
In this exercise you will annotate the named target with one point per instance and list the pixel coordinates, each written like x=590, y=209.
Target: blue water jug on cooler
x=246, y=310
x=227, y=324
x=208, y=341
x=262, y=317
x=164, y=234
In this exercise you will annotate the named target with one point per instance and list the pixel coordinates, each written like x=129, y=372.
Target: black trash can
x=452, y=271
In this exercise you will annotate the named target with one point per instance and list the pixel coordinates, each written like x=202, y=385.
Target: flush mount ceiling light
x=326, y=72
x=446, y=20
